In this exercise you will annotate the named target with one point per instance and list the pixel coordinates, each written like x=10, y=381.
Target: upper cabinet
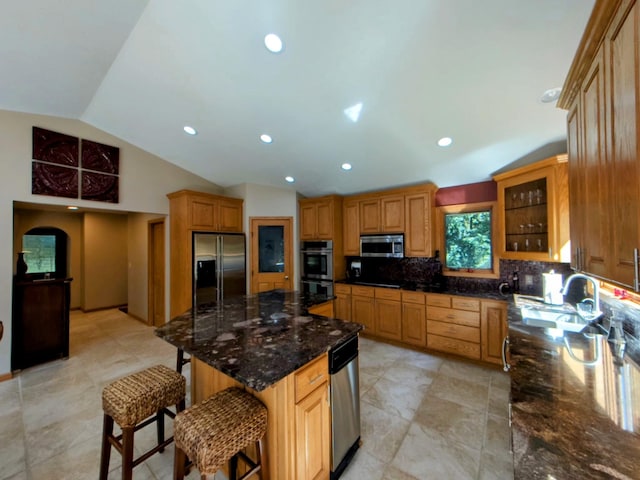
x=533, y=209
x=382, y=214
x=205, y=212
x=405, y=210
x=321, y=218
x=601, y=94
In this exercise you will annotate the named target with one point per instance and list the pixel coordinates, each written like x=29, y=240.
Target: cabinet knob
x=286, y=277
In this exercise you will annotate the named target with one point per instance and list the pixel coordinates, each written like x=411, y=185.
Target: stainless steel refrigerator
x=218, y=266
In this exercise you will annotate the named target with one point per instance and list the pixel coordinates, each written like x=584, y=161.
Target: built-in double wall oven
x=316, y=263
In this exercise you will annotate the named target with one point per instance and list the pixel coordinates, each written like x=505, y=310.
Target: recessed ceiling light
x=273, y=43
x=353, y=112
x=346, y=166
x=551, y=95
x=290, y=179
x=445, y=141
x=70, y=207
x=189, y=130
x=266, y=138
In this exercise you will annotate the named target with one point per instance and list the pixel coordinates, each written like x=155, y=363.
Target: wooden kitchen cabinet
x=190, y=212
x=313, y=435
x=388, y=313
x=321, y=218
x=351, y=232
x=453, y=325
x=362, y=307
x=414, y=320
x=418, y=227
x=601, y=94
x=533, y=210
x=493, y=328
x=342, y=302
x=382, y=214
x=324, y=309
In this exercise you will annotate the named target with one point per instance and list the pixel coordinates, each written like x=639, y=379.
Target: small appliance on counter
x=552, y=288
x=354, y=270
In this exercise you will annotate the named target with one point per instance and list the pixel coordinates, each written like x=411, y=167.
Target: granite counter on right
x=575, y=404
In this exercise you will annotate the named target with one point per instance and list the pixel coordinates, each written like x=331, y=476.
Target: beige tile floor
x=423, y=416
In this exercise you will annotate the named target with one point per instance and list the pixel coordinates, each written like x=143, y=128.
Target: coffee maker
x=354, y=269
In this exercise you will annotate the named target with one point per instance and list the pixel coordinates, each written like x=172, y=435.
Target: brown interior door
x=155, y=315
x=271, y=253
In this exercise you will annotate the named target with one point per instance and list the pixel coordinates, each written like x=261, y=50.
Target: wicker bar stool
x=181, y=360
x=129, y=401
x=216, y=430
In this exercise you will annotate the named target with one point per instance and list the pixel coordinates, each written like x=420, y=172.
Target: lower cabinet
x=414, y=323
x=313, y=423
x=493, y=326
x=342, y=302
x=388, y=313
x=325, y=309
x=362, y=308
x=453, y=325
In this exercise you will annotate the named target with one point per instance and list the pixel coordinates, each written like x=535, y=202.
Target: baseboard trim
x=6, y=376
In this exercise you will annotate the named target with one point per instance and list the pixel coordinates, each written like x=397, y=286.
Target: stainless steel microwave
x=387, y=246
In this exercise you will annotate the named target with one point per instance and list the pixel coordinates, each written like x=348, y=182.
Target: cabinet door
x=593, y=162
x=203, y=214
x=493, y=329
x=370, y=216
x=308, y=220
x=313, y=428
x=351, y=228
x=389, y=319
x=362, y=312
x=414, y=326
x=324, y=220
x=577, y=203
x=229, y=216
x=623, y=164
x=343, y=307
x=418, y=233
x=392, y=214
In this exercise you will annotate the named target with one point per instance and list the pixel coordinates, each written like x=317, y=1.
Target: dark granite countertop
x=258, y=339
x=575, y=404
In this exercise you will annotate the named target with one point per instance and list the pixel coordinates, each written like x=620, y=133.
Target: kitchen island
x=575, y=404
x=269, y=344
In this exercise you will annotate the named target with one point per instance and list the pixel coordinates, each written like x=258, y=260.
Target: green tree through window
x=468, y=240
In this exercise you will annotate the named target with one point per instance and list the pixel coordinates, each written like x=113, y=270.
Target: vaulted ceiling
x=141, y=70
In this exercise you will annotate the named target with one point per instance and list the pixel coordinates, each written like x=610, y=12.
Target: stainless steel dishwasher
x=345, y=405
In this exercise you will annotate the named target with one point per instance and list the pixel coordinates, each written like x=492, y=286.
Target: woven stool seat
x=133, y=402
x=131, y=399
x=215, y=430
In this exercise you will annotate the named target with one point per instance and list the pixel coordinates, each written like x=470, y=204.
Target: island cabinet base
x=292, y=425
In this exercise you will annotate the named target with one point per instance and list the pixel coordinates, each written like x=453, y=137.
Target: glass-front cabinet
x=533, y=204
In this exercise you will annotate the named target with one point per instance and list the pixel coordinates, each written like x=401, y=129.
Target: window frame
x=441, y=212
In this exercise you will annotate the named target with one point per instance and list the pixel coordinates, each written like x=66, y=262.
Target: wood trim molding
x=601, y=16
x=6, y=376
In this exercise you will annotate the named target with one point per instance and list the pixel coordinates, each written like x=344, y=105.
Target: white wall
x=145, y=181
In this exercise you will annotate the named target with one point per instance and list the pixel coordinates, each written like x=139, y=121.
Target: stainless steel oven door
x=317, y=287
x=317, y=264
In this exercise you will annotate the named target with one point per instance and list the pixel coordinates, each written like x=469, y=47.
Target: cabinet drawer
x=462, y=303
x=452, y=330
x=388, y=294
x=459, y=347
x=362, y=291
x=311, y=376
x=439, y=300
x=413, y=297
x=342, y=288
x=461, y=317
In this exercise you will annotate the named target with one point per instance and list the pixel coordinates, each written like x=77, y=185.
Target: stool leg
x=107, y=431
x=233, y=468
x=160, y=428
x=179, y=460
x=179, y=360
x=127, y=453
x=262, y=458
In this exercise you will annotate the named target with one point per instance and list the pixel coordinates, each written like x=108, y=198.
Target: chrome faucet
x=596, y=294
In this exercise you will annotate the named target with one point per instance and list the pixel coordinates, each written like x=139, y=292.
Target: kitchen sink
x=536, y=313
x=562, y=320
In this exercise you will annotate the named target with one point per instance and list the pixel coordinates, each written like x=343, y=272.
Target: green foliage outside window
x=468, y=240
